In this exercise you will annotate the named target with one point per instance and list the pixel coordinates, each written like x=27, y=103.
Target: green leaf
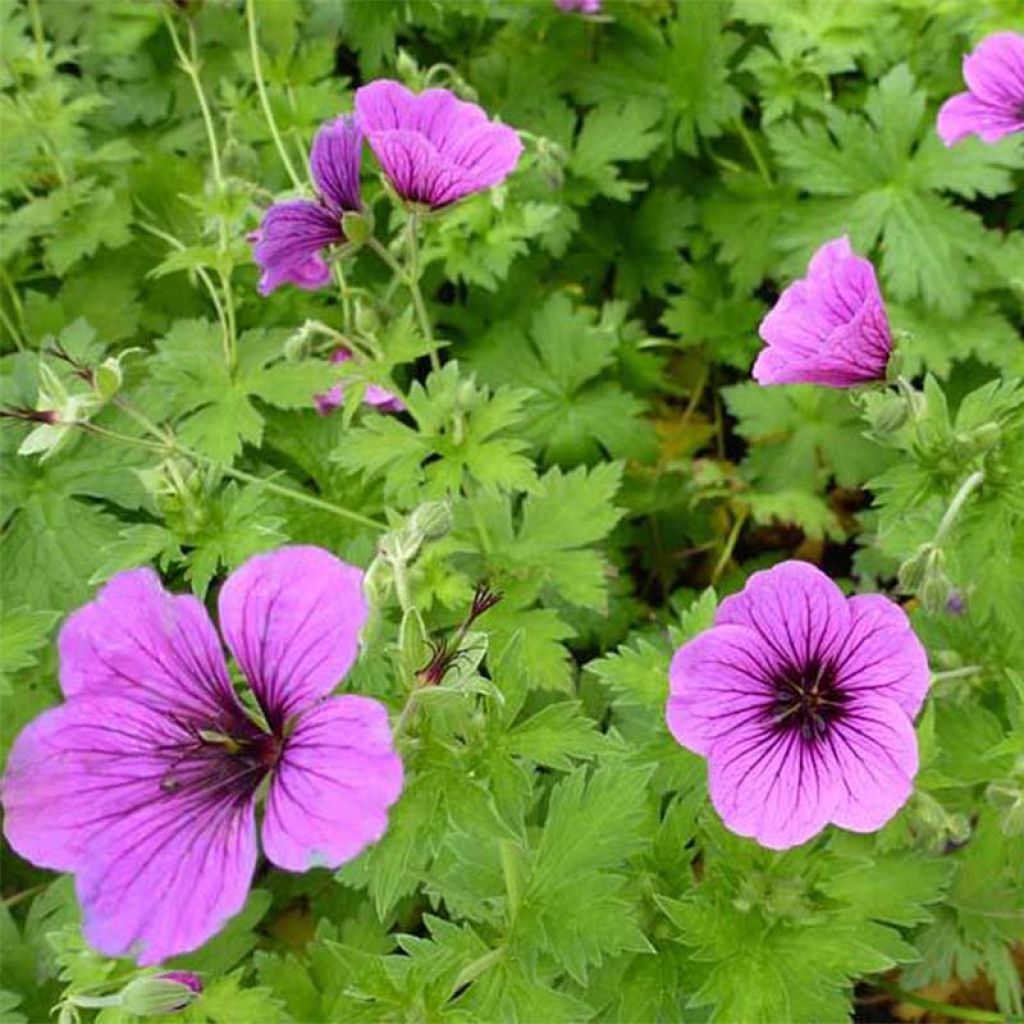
x=22, y=633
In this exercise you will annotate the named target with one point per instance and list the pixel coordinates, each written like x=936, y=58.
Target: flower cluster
x=433, y=148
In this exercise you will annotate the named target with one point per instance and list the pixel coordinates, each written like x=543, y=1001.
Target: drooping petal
x=796, y=609
x=434, y=148
x=336, y=778
x=288, y=244
x=829, y=328
x=489, y=152
x=768, y=784
x=881, y=654
x=292, y=619
x=719, y=680
x=139, y=642
x=417, y=172
x=872, y=754
x=158, y=827
x=334, y=162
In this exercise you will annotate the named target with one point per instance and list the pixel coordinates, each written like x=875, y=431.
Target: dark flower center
x=222, y=762
x=807, y=699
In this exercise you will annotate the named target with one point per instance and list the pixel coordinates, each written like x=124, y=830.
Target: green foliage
x=580, y=433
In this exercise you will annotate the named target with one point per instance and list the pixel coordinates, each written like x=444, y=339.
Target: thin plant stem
x=957, y=673
x=12, y=330
x=413, y=283
x=257, y=70
x=755, y=151
x=200, y=271
x=473, y=970
x=293, y=495
x=170, y=446
x=947, y=1009
x=961, y=496
x=346, y=298
x=190, y=65
x=730, y=545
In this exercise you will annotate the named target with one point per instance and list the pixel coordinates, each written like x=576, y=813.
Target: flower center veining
x=807, y=699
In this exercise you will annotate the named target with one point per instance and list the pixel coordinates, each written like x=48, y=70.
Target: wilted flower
x=434, y=148
x=374, y=394
x=144, y=782
x=294, y=232
x=993, y=106
x=802, y=701
x=828, y=328
x=583, y=6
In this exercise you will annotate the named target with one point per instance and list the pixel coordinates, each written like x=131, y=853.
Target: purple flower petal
x=374, y=394
x=337, y=776
x=289, y=241
x=994, y=105
x=873, y=750
x=160, y=830
x=434, y=148
x=292, y=619
x=334, y=162
x=794, y=608
x=767, y=785
x=830, y=328
x=583, y=6
x=881, y=654
x=720, y=680
x=137, y=641
x=802, y=701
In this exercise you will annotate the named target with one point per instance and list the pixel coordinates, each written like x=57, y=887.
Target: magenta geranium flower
x=434, y=148
x=375, y=395
x=828, y=328
x=294, y=232
x=803, y=702
x=993, y=106
x=583, y=6
x=144, y=782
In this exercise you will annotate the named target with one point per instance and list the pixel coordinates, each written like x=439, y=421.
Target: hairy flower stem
x=189, y=62
x=409, y=276
x=268, y=114
x=201, y=273
x=951, y=513
x=417, y=293
x=169, y=445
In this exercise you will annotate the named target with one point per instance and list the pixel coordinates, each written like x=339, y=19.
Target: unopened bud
x=357, y=226
x=432, y=520
x=407, y=68
x=107, y=379
x=935, y=591
x=161, y=993
x=970, y=444
x=913, y=571
x=366, y=320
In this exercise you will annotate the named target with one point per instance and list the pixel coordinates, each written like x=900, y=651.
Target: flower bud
x=407, y=68
x=107, y=379
x=431, y=521
x=912, y=572
x=357, y=226
x=970, y=444
x=936, y=589
x=366, y=320
x=158, y=994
